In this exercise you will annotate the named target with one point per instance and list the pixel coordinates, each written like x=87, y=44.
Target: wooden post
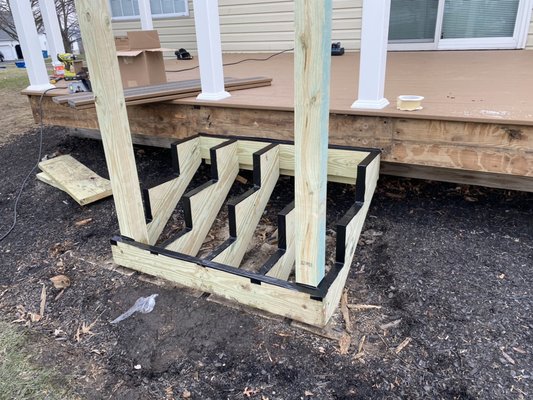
x=51, y=28
x=95, y=26
x=207, y=25
x=312, y=61
x=29, y=42
x=373, y=62
x=145, y=12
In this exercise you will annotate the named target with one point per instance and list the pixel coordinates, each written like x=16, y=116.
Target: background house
x=11, y=48
x=268, y=26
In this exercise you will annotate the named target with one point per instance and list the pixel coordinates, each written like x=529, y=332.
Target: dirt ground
x=450, y=266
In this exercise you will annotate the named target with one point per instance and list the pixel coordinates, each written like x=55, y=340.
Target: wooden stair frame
x=219, y=273
x=314, y=296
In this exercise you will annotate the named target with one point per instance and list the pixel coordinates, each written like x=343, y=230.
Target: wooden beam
x=203, y=204
x=164, y=198
x=284, y=264
x=95, y=26
x=246, y=211
x=312, y=61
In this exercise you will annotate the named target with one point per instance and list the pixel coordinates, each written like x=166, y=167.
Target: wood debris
x=83, y=222
x=390, y=325
x=345, y=312
x=402, y=345
x=344, y=343
x=60, y=281
x=43, y=301
x=508, y=357
x=361, y=307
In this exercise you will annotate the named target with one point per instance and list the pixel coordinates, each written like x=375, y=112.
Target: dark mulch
x=452, y=263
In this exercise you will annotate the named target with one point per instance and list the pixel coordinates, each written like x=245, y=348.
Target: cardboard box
x=140, y=58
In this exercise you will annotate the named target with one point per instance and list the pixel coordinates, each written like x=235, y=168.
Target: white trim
x=213, y=96
x=522, y=23
x=477, y=43
x=51, y=27
x=371, y=104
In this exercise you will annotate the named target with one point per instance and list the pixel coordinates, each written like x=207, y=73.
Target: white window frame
x=517, y=41
x=154, y=16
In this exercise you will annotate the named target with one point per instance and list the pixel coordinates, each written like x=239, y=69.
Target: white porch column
x=29, y=42
x=146, y=15
x=207, y=26
x=373, y=62
x=51, y=27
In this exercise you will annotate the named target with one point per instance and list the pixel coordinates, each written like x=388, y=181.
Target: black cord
x=237, y=62
x=33, y=169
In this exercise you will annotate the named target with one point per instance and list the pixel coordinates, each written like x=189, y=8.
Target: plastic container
x=409, y=102
x=20, y=64
x=59, y=69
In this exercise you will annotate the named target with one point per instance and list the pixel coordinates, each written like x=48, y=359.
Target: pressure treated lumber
x=271, y=298
x=312, y=61
x=163, y=198
x=44, y=177
x=204, y=203
x=95, y=26
x=352, y=231
x=71, y=176
x=284, y=264
x=246, y=212
x=342, y=163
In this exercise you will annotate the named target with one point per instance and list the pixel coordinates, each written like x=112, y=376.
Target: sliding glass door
x=458, y=24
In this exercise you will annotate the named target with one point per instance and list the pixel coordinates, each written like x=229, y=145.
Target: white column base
x=39, y=88
x=213, y=96
x=371, y=104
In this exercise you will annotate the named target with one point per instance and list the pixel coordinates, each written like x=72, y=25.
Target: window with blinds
x=479, y=18
x=130, y=8
x=413, y=21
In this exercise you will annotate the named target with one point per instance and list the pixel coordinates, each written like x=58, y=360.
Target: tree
x=66, y=14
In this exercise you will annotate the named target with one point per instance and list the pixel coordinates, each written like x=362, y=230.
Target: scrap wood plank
x=82, y=184
x=149, y=93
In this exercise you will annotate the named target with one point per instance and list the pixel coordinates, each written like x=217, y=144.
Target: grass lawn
x=21, y=375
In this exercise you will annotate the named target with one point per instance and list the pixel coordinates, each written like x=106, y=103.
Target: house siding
x=529, y=43
x=254, y=26
x=260, y=26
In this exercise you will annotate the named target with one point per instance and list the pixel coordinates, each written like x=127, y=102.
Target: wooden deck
x=476, y=125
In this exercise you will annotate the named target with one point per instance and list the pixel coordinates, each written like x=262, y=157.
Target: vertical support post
x=207, y=25
x=312, y=61
x=373, y=62
x=95, y=26
x=31, y=48
x=51, y=28
x=146, y=15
